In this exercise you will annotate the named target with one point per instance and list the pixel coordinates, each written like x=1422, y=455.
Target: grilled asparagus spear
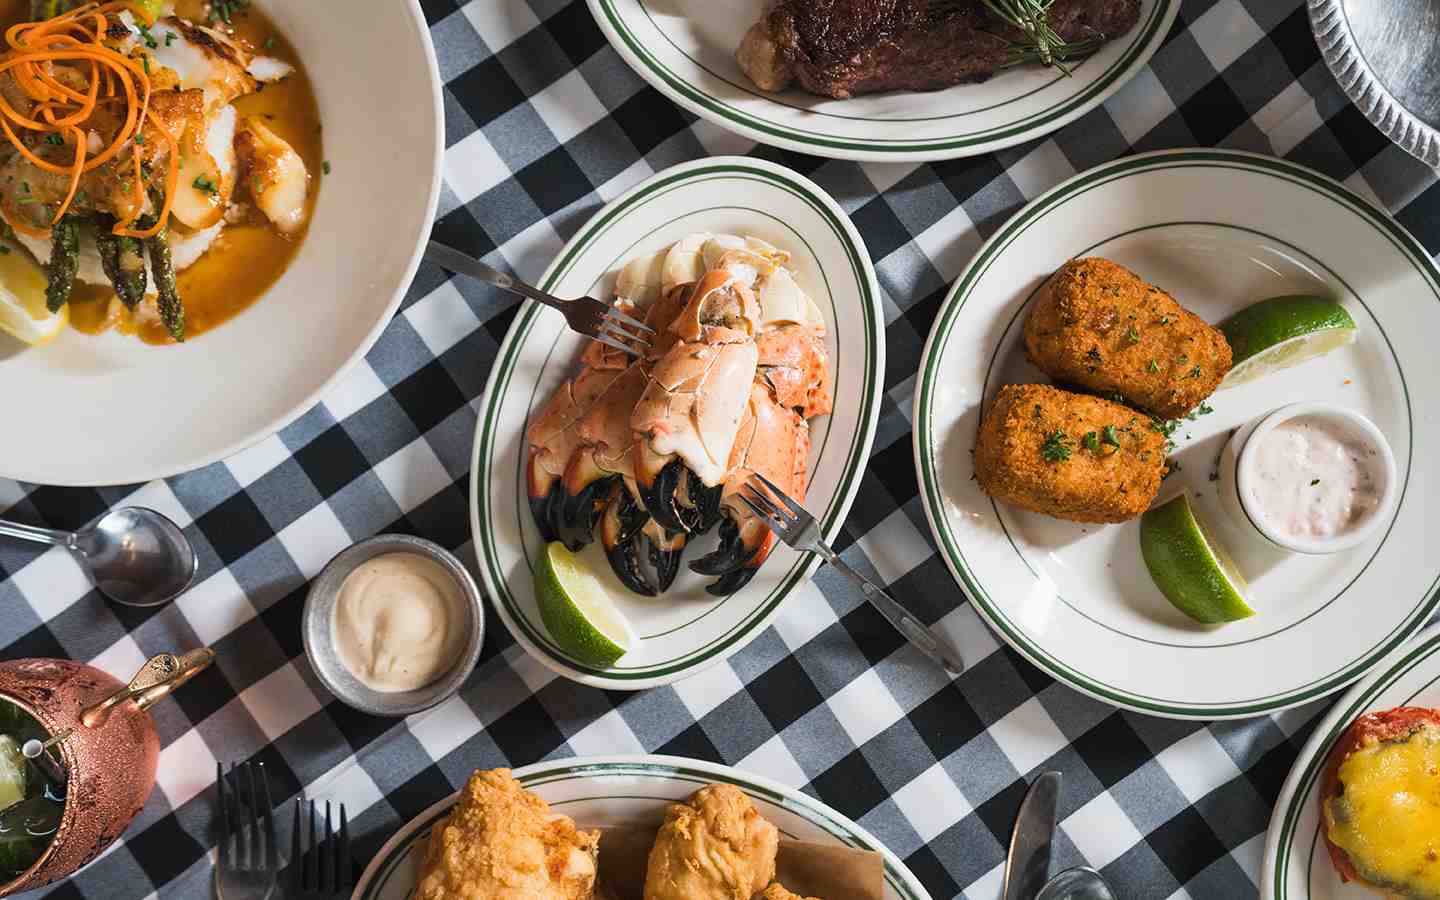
x=123, y=260
x=172, y=310
x=64, y=262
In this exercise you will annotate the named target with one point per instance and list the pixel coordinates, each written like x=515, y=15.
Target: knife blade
x=1028, y=865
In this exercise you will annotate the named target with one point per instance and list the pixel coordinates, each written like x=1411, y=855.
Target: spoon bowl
x=135, y=556
x=1079, y=883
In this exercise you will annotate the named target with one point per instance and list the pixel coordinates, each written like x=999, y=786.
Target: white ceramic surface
x=1218, y=230
x=686, y=629
x=1296, y=864
x=1237, y=474
x=112, y=410
x=612, y=791
x=686, y=50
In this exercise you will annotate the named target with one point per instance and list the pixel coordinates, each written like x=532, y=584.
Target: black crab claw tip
x=659, y=497
x=666, y=563
x=625, y=562
x=729, y=557
x=731, y=582
x=540, y=512
x=705, y=512
x=578, y=515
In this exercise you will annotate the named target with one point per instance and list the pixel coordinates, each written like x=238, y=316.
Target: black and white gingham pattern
x=544, y=123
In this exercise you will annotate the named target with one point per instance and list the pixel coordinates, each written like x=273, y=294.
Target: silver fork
x=324, y=870
x=593, y=318
x=796, y=527
x=249, y=852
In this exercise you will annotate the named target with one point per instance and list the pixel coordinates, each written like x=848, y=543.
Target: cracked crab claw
x=775, y=442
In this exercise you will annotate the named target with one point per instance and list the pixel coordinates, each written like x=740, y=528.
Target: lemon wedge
x=22, y=299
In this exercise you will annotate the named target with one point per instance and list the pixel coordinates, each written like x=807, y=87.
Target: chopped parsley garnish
x=139, y=138
x=145, y=61
x=201, y=183
x=1204, y=409
x=1314, y=482
x=1132, y=335
x=270, y=43
x=1152, y=366
x=226, y=10
x=1056, y=447
x=325, y=167
x=1165, y=320
x=1091, y=441
x=147, y=36
x=1166, y=429
x=1195, y=372
x=1108, y=435
x=4, y=250
x=1093, y=355
x=169, y=38
x=55, y=139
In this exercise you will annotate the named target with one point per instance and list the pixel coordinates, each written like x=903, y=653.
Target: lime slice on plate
x=12, y=772
x=1281, y=332
x=1189, y=567
x=22, y=299
x=578, y=611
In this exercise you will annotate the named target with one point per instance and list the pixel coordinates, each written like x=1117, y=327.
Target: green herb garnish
x=226, y=10
x=1132, y=335
x=1108, y=435
x=1056, y=447
x=201, y=183
x=1152, y=366
x=1091, y=441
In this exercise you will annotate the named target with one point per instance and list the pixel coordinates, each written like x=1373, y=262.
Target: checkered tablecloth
x=544, y=123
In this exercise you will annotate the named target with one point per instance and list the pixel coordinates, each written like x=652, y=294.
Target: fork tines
x=247, y=826
x=320, y=868
x=615, y=329
x=784, y=516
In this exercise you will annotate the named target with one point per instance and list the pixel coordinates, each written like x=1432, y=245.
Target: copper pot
x=108, y=746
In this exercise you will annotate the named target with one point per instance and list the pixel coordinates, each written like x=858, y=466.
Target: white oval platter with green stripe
x=1218, y=230
x=685, y=629
x=686, y=50
x=633, y=791
x=1297, y=866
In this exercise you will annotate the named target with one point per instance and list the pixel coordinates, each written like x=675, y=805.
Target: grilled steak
x=839, y=48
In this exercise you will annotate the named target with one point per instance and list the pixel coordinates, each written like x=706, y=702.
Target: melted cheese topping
x=1387, y=817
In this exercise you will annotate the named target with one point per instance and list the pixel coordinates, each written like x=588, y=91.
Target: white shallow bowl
x=617, y=791
x=686, y=50
x=1219, y=230
x=1237, y=470
x=1296, y=864
x=685, y=629
x=113, y=410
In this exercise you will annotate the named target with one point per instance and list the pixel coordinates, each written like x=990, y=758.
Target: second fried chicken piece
x=716, y=846
x=777, y=891
x=503, y=843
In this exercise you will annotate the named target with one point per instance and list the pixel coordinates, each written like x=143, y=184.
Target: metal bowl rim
x=1343, y=57
x=332, y=673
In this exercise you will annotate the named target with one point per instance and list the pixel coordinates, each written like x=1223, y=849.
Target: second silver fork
x=796, y=527
x=248, y=857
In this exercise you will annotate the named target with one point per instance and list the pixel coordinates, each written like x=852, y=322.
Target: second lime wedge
x=1281, y=332
x=578, y=611
x=1190, y=568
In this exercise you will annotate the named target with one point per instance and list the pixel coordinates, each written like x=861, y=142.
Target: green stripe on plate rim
x=1147, y=35
x=1403, y=666
x=505, y=367
x=813, y=811
x=924, y=437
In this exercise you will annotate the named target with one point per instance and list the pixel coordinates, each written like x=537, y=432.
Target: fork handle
x=916, y=632
x=455, y=261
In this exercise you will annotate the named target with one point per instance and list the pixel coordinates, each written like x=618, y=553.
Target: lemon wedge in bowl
x=22, y=299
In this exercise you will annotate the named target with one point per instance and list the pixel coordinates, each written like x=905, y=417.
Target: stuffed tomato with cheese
x=1380, y=803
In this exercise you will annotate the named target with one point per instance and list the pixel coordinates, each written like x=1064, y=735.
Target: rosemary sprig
x=1040, y=42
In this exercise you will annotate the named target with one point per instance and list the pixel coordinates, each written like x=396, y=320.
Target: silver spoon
x=1079, y=883
x=135, y=556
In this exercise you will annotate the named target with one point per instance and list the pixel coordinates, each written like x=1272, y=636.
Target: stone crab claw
x=690, y=411
x=624, y=526
x=774, y=441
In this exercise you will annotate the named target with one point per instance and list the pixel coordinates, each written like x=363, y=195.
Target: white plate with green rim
x=686, y=52
x=1297, y=866
x=1218, y=230
x=685, y=629
x=618, y=791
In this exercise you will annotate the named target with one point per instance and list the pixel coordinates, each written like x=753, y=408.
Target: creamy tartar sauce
x=399, y=622
x=1314, y=478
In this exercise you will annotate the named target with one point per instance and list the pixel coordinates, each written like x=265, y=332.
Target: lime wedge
x=12, y=772
x=1281, y=332
x=1190, y=568
x=578, y=611
x=22, y=299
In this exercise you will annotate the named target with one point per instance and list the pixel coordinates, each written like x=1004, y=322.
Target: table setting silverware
x=321, y=867
x=593, y=318
x=797, y=528
x=248, y=860
x=135, y=556
x=1027, y=865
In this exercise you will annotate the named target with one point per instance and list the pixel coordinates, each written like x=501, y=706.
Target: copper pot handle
x=157, y=679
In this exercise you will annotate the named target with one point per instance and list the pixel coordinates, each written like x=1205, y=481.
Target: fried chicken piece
x=716, y=846
x=777, y=891
x=1098, y=325
x=1068, y=455
x=503, y=843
